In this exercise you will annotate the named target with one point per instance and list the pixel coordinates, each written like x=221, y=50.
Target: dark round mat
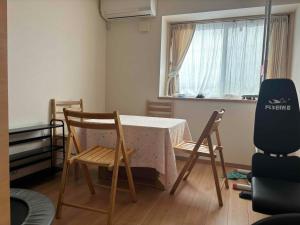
x=18, y=210
x=29, y=207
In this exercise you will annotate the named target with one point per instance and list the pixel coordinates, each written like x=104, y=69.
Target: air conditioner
x=117, y=9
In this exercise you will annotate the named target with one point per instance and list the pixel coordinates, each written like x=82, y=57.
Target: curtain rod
x=229, y=19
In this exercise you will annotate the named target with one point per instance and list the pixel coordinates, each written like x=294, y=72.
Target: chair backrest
x=58, y=106
x=212, y=126
x=100, y=121
x=57, y=110
x=276, y=128
x=160, y=109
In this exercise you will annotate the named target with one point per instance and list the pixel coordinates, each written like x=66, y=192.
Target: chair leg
x=182, y=173
x=192, y=164
x=88, y=178
x=224, y=169
x=130, y=180
x=62, y=190
x=113, y=195
x=217, y=183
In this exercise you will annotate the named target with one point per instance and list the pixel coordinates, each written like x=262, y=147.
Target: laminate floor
x=194, y=203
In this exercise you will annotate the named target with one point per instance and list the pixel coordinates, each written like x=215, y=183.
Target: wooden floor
x=194, y=203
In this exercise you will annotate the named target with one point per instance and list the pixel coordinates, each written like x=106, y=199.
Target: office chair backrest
x=276, y=128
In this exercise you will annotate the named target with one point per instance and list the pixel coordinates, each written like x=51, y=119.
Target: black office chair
x=275, y=174
x=284, y=219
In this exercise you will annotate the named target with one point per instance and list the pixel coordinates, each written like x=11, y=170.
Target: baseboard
x=231, y=165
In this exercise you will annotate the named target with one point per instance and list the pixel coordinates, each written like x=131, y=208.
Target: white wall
x=296, y=52
x=133, y=68
x=56, y=50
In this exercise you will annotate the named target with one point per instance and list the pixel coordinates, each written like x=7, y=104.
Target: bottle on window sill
x=200, y=96
x=250, y=97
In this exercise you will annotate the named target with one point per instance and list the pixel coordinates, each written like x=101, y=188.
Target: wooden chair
x=204, y=147
x=160, y=109
x=58, y=114
x=98, y=155
x=58, y=106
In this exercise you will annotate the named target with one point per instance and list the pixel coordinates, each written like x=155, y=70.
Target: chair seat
x=202, y=151
x=272, y=196
x=99, y=156
x=282, y=219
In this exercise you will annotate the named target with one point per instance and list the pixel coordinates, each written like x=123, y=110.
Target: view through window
x=224, y=59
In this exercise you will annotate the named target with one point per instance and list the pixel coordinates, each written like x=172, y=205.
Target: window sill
x=209, y=99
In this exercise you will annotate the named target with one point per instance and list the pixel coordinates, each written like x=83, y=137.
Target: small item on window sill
x=250, y=97
x=200, y=96
x=180, y=95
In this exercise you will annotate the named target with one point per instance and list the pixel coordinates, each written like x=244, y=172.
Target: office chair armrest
x=284, y=168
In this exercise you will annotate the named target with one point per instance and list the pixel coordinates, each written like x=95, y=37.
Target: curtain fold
x=181, y=38
x=278, y=51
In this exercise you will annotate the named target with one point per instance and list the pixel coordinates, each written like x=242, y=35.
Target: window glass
x=224, y=59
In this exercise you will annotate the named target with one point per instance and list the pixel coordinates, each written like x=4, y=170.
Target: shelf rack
x=34, y=160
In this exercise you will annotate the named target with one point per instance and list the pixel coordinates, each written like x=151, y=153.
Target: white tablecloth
x=152, y=138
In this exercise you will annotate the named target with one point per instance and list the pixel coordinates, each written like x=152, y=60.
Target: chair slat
x=85, y=115
x=88, y=125
x=84, y=207
x=67, y=103
x=160, y=109
x=152, y=103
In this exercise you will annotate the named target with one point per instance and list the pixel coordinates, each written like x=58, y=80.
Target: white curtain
x=223, y=59
x=243, y=59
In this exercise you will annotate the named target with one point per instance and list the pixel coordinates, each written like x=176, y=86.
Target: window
x=221, y=59
x=224, y=59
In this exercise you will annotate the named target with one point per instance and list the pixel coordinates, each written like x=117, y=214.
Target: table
x=152, y=138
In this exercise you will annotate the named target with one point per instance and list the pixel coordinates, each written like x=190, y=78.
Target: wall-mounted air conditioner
x=117, y=9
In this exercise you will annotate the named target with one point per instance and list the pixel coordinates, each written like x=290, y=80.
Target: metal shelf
x=39, y=155
x=34, y=128
x=13, y=168
x=23, y=141
x=33, y=152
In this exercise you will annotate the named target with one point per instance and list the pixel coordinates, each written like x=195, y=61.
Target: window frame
x=227, y=19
